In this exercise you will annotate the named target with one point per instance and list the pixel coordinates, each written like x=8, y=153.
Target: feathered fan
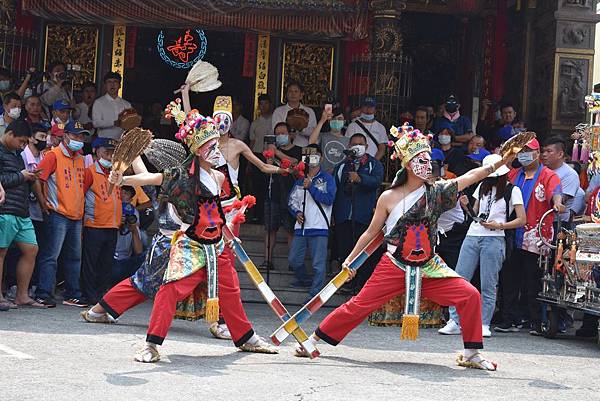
x=203, y=77
x=165, y=154
x=131, y=145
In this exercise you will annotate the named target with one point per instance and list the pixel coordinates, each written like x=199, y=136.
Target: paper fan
x=203, y=77
x=165, y=154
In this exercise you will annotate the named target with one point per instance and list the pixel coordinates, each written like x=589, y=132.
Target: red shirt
x=537, y=198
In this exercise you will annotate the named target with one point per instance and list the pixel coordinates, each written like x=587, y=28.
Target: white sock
x=253, y=340
x=313, y=339
x=470, y=352
x=150, y=345
x=95, y=314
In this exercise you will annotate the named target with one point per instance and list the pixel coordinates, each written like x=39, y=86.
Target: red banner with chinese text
x=249, y=55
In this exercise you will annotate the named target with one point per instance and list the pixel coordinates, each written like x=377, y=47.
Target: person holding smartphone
x=15, y=223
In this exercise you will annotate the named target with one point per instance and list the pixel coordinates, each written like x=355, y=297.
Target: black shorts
x=276, y=216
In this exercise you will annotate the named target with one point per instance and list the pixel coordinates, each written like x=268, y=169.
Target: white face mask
x=28, y=93
x=359, y=149
x=444, y=139
x=14, y=113
x=421, y=165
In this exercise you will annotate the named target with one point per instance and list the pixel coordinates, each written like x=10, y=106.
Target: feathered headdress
x=409, y=143
x=194, y=129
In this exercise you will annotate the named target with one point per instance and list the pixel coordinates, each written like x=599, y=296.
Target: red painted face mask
x=207, y=226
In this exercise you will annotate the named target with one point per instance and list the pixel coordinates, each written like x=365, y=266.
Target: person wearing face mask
x=294, y=94
x=541, y=191
x=63, y=172
x=461, y=125
x=372, y=129
x=101, y=223
x=278, y=188
x=311, y=203
x=333, y=142
x=15, y=222
x=12, y=111
x=357, y=180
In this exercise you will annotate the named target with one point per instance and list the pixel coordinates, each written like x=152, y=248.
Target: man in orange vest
x=63, y=172
x=101, y=223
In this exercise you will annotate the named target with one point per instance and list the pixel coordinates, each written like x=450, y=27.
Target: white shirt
x=375, y=128
x=239, y=128
x=496, y=211
x=280, y=115
x=447, y=219
x=81, y=113
x=258, y=129
x=105, y=112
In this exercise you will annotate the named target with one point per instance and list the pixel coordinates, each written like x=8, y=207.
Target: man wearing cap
x=63, y=172
x=541, y=191
x=461, y=125
x=61, y=112
x=106, y=109
x=101, y=222
x=15, y=223
x=372, y=129
x=294, y=94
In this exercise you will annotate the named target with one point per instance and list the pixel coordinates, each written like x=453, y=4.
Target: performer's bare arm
x=117, y=178
x=478, y=174
x=377, y=223
x=245, y=151
x=139, y=166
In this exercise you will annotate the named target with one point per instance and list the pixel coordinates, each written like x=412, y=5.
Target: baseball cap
x=492, y=159
x=369, y=101
x=437, y=154
x=103, y=143
x=62, y=105
x=75, y=127
x=533, y=144
x=479, y=156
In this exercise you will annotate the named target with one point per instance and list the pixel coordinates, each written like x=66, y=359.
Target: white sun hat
x=492, y=159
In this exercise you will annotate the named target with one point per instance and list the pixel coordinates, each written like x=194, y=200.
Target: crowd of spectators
x=63, y=226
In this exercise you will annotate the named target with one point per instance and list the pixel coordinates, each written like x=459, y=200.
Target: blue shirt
x=461, y=126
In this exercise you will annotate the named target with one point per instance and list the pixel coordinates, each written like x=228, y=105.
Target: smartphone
x=329, y=108
x=269, y=140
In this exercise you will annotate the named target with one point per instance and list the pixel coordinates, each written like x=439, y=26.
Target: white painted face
x=210, y=152
x=421, y=165
x=223, y=121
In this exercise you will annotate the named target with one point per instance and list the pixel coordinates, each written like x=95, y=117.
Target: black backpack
x=509, y=235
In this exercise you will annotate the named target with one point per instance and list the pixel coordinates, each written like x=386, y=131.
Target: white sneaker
x=485, y=330
x=450, y=329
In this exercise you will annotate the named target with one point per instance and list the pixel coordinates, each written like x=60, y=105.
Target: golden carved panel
x=76, y=46
x=311, y=64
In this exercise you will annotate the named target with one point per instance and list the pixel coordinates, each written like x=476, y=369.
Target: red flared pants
x=386, y=282
x=125, y=296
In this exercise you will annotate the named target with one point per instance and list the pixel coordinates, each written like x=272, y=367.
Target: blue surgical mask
x=4, y=85
x=336, y=125
x=367, y=117
x=105, y=163
x=444, y=139
x=525, y=158
x=282, y=140
x=75, y=145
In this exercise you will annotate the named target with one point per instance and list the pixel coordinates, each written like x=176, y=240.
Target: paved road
x=52, y=355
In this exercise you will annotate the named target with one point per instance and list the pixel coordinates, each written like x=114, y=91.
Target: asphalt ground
x=53, y=355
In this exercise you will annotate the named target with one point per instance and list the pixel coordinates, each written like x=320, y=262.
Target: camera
x=351, y=153
x=129, y=213
x=483, y=217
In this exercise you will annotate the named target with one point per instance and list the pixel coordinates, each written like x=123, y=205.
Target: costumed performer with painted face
x=194, y=253
x=409, y=210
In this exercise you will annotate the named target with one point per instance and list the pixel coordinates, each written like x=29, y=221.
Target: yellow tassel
x=410, y=327
x=212, y=310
